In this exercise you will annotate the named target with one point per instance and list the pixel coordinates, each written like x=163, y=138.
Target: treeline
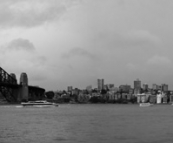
x=90, y=97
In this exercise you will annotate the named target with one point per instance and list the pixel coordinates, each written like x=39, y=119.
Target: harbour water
x=87, y=123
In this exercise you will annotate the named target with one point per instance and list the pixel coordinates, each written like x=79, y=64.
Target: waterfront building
x=112, y=96
x=125, y=88
x=142, y=98
x=159, y=98
x=171, y=97
x=100, y=84
x=152, y=99
x=165, y=99
x=83, y=98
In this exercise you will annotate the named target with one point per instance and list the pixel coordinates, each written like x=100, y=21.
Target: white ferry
x=38, y=103
x=145, y=104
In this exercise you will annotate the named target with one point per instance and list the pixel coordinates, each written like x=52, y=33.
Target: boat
x=145, y=104
x=38, y=103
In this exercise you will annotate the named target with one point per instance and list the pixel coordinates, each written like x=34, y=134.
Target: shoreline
x=4, y=104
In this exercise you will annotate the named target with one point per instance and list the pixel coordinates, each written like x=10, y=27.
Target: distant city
x=108, y=93
x=12, y=92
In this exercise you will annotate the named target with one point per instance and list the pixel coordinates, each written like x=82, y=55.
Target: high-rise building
x=137, y=86
x=164, y=87
x=155, y=87
x=125, y=88
x=145, y=87
x=100, y=84
x=69, y=88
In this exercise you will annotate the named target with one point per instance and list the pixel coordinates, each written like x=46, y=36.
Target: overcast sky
x=59, y=43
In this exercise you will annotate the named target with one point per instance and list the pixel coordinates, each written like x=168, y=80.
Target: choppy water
x=87, y=123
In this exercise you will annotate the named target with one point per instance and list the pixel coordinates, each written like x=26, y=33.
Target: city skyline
x=137, y=85
x=75, y=42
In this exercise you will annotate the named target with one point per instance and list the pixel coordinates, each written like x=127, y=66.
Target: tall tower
x=145, y=87
x=155, y=87
x=137, y=86
x=24, y=86
x=164, y=87
x=100, y=84
x=69, y=88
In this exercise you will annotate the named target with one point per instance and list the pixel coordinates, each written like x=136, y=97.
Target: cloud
x=159, y=60
x=30, y=13
x=127, y=39
x=15, y=54
x=20, y=44
x=41, y=60
x=140, y=37
x=78, y=52
x=36, y=70
x=131, y=67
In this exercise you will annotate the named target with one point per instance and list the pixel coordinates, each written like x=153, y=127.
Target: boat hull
x=145, y=104
x=37, y=104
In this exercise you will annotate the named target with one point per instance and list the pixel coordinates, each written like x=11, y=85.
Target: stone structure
x=24, y=86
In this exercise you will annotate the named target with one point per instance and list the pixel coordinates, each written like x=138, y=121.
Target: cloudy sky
x=74, y=42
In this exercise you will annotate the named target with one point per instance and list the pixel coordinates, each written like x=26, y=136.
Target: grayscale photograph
x=86, y=71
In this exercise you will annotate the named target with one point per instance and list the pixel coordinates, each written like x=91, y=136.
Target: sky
x=61, y=43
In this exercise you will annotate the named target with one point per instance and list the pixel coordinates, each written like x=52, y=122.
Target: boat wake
x=19, y=106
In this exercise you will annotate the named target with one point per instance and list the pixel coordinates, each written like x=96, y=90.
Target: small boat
x=38, y=103
x=145, y=104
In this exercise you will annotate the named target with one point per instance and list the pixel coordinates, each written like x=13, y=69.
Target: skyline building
x=69, y=88
x=164, y=87
x=125, y=88
x=155, y=87
x=100, y=83
x=145, y=86
x=137, y=86
x=108, y=86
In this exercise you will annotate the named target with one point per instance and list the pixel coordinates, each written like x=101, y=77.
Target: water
x=87, y=123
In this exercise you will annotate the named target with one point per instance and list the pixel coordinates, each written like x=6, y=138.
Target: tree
x=49, y=94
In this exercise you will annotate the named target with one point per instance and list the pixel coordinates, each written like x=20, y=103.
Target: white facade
x=159, y=98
